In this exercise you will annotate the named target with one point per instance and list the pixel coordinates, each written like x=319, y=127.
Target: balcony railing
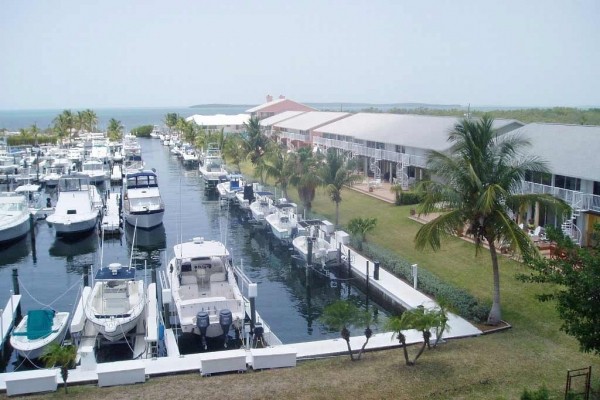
x=578, y=201
x=293, y=136
x=379, y=154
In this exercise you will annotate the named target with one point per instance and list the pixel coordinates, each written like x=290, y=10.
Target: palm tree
x=397, y=324
x=62, y=357
x=478, y=180
x=305, y=175
x=90, y=120
x=34, y=131
x=396, y=188
x=280, y=166
x=359, y=227
x=79, y=121
x=115, y=130
x=335, y=175
x=343, y=314
x=256, y=142
x=171, y=120
x=233, y=150
x=63, y=124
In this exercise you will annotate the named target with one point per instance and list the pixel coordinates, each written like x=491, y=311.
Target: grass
x=496, y=366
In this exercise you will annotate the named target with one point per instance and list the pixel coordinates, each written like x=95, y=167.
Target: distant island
x=217, y=105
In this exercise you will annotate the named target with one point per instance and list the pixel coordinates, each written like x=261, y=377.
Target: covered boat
x=37, y=330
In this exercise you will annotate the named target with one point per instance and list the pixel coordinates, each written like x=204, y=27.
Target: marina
x=274, y=316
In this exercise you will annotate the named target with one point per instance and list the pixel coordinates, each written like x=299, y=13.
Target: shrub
x=540, y=394
x=142, y=131
x=409, y=198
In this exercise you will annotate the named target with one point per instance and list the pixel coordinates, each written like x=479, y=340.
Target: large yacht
x=142, y=205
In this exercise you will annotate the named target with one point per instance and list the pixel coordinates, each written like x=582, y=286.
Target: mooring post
x=376, y=270
x=309, y=248
x=31, y=230
x=367, y=286
x=153, y=275
x=252, y=293
x=349, y=264
x=415, y=271
x=166, y=317
x=339, y=254
x=86, y=278
x=15, y=276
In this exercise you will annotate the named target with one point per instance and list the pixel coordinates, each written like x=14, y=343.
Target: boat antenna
x=132, y=244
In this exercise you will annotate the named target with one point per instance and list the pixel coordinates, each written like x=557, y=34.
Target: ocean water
x=14, y=120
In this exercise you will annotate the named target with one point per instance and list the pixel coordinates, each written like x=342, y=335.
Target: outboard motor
x=258, y=339
x=202, y=322
x=225, y=320
x=249, y=193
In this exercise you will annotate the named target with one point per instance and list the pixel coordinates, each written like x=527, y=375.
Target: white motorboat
x=211, y=167
x=117, y=301
x=142, y=205
x=314, y=236
x=39, y=206
x=116, y=176
x=78, y=206
x=155, y=134
x=96, y=170
x=229, y=188
x=14, y=217
x=284, y=220
x=203, y=289
x=37, y=330
x=262, y=207
x=246, y=196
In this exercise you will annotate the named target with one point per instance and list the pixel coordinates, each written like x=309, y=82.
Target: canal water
x=289, y=300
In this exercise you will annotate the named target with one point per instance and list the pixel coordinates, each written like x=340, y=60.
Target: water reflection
x=148, y=247
x=15, y=252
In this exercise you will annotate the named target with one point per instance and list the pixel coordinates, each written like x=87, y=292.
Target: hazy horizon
x=145, y=53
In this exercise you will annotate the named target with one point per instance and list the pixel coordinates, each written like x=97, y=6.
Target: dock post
x=31, y=230
x=376, y=270
x=153, y=275
x=15, y=276
x=86, y=278
x=367, y=287
x=166, y=316
x=339, y=253
x=252, y=293
x=349, y=264
x=309, y=248
x=415, y=271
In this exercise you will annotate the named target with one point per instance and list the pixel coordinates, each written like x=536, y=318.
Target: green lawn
x=495, y=366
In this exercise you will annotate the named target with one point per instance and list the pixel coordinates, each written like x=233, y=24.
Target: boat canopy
x=114, y=272
x=39, y=324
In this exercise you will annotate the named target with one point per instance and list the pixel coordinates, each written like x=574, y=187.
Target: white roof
x=280, y=117
x=200, y=248
x=310, y=120
x=418, y=131
x=219, y=119
x=570, y=150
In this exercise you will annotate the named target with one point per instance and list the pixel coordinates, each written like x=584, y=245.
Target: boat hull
x=32, y=349
x=145, y=220
x=15, y=231
x=64, y=227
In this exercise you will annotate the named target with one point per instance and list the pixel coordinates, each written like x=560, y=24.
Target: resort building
x=571, y=154
x=298, y=131
x=214, y=123
x=273, y=107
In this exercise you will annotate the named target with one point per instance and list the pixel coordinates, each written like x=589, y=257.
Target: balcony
x=294, y=136
x=378, y=154
x=578, y=201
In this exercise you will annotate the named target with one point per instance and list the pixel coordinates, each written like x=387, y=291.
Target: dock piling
x=86, y=274
x=15, y=277
x=376, y=270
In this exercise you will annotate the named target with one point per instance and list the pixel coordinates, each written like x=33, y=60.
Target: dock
x=111, y=218
x=148, y=363
x=8, y=316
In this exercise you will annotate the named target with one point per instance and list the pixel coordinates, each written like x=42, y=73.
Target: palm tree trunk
x=495, y=315
x=337, y=213
x=350, y=349
x=419, y=353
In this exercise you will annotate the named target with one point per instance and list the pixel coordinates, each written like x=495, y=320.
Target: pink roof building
x=273, y=107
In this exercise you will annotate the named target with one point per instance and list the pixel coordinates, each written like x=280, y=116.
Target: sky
x=151, y=53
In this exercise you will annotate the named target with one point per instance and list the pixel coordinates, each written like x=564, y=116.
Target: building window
x=567, y=182
x=380, y=146
x=400, y=149
x=371, y=145
x=597, y=188
x=539, y=177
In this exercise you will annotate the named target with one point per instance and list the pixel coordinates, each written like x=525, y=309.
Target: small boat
x=117, y=301
x=284, y=220
x=229, y=188
x=247, y=196
x=96, y=170
x=155, y=134
x=142, y=204
x=77, y=207
x=315, y=235
x=37, y=330
x=204, y=292
x=211, y=167
x=14, y=217
x=262, y=207
x=39, y=206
